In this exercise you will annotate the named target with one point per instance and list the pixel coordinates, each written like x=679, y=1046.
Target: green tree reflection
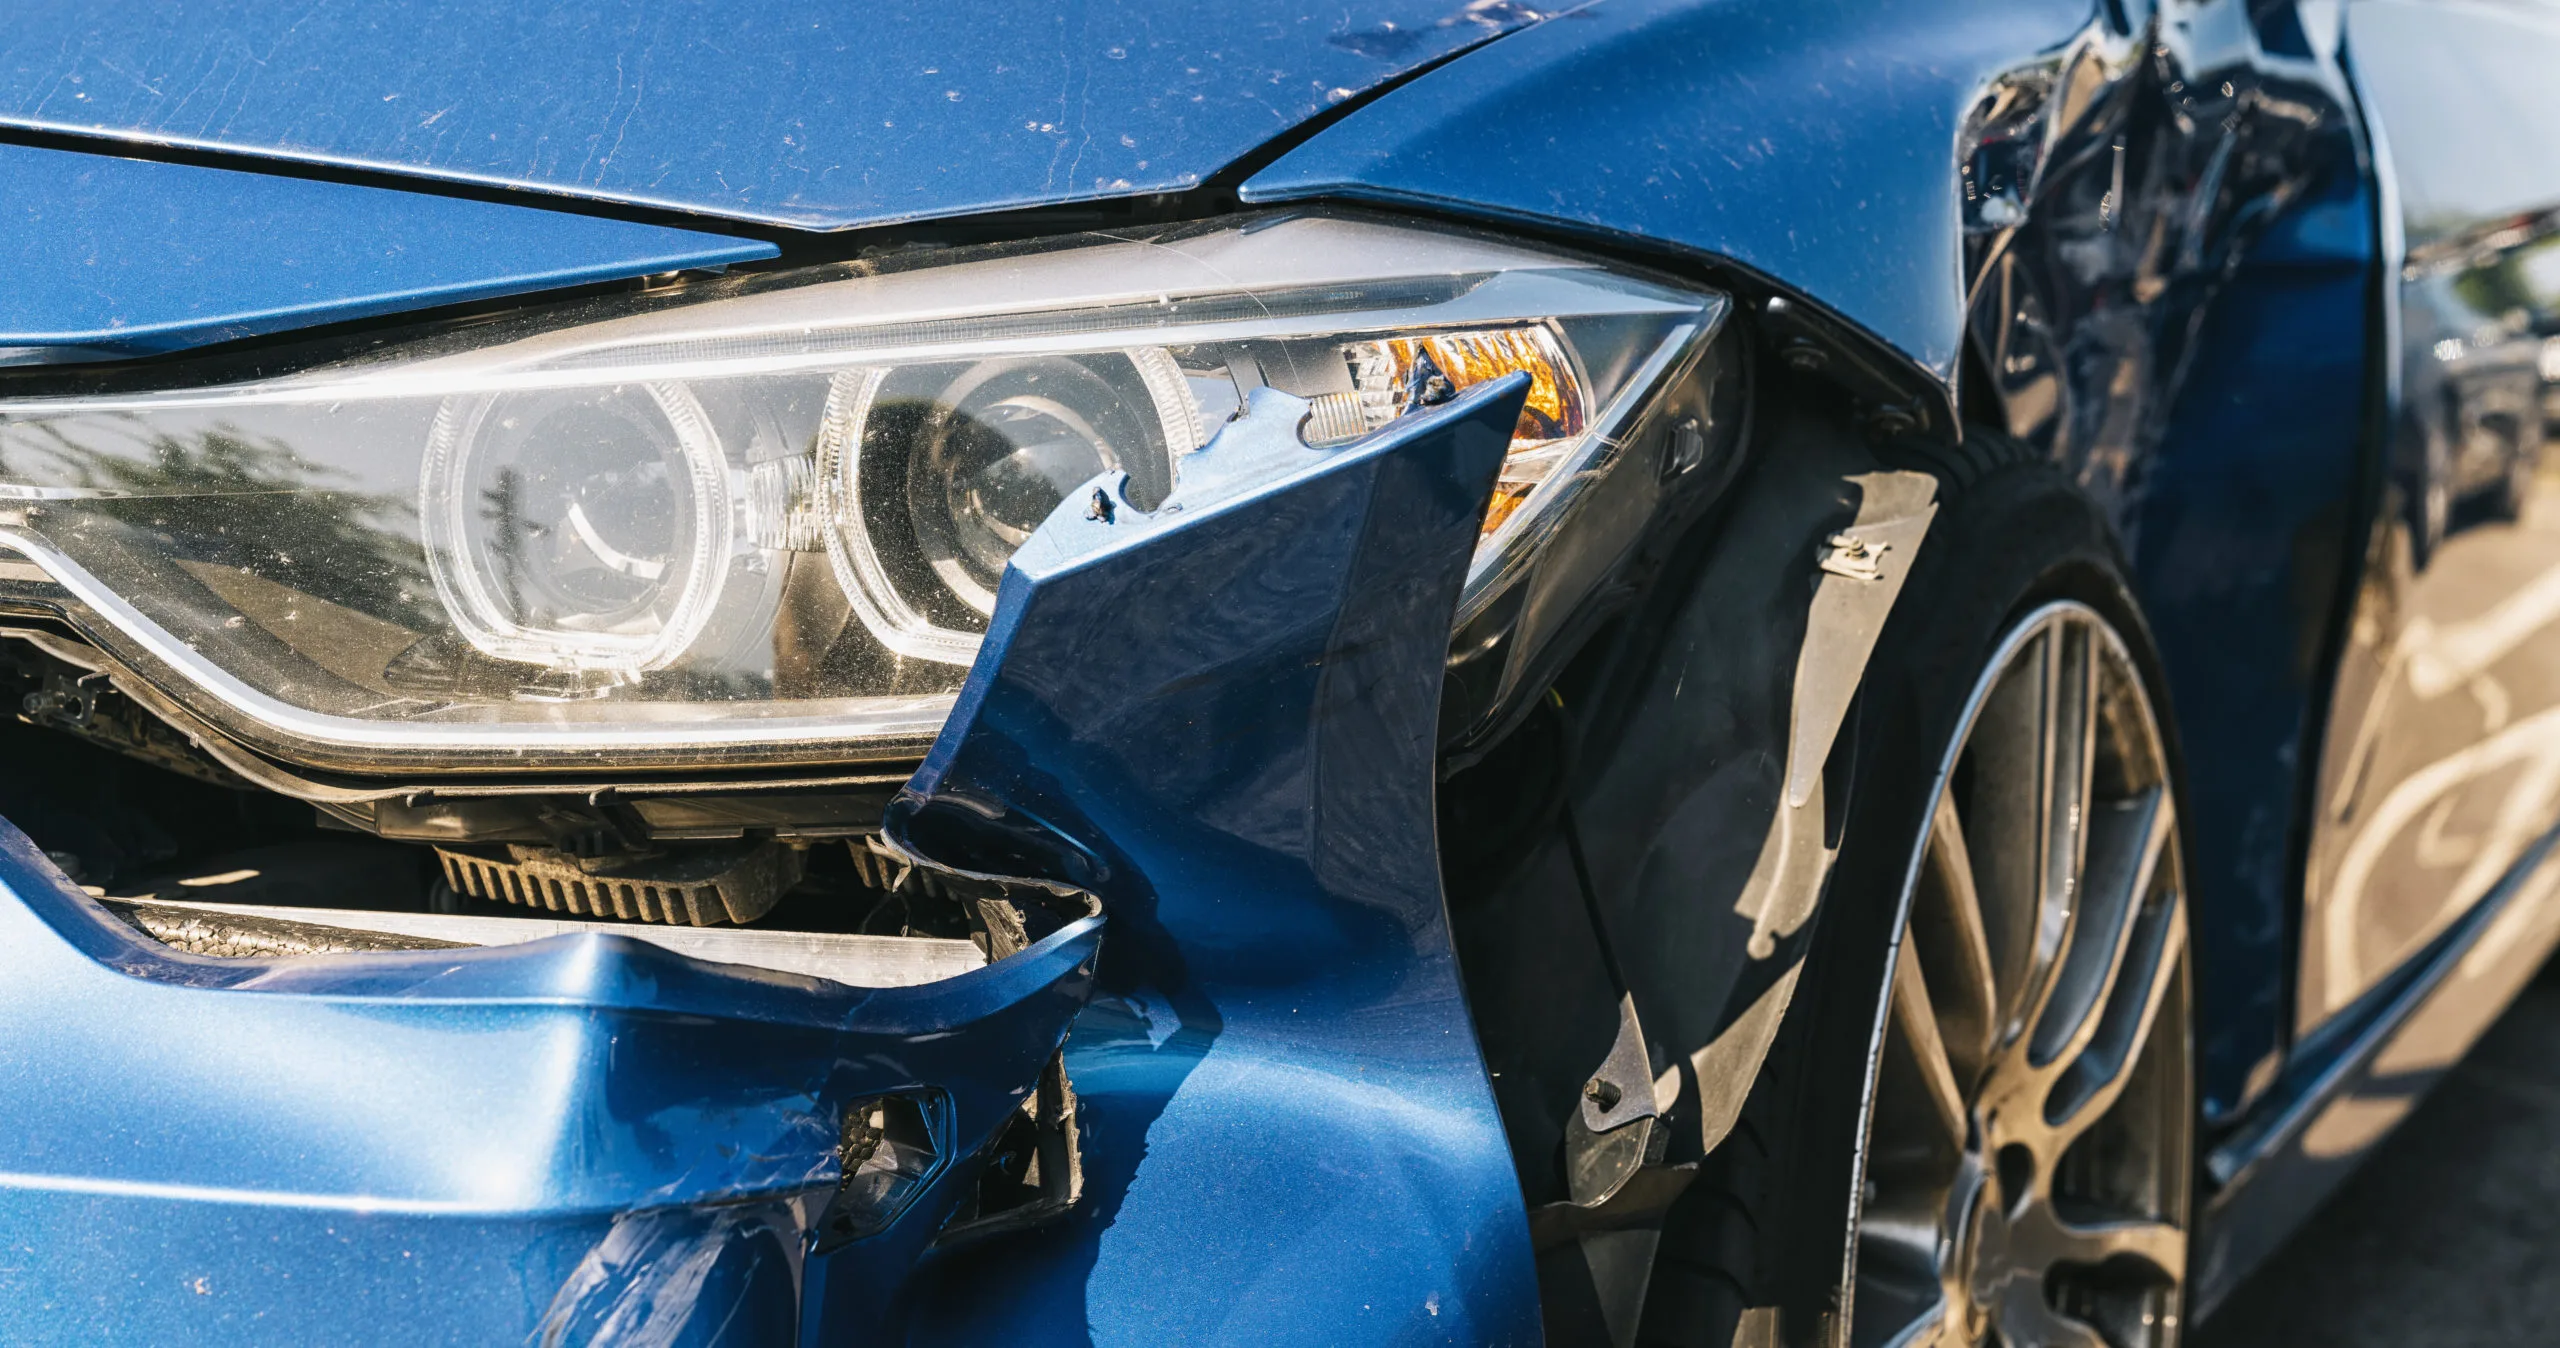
x=224, y=497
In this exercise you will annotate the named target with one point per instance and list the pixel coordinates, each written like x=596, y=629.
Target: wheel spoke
x=1936, y=1330
x=2004, y=809
x=1916, y=1029
x=2088, y=1088
x=1954, y=950
x=2027, y=1321
x=2125, y=842
x=2039, y=1239
x=2036, y=993
x=2070, y=729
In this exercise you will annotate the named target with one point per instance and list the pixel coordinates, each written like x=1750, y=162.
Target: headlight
x=762, y=520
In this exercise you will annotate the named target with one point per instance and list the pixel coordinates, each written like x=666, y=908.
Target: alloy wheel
x=2025, y=1168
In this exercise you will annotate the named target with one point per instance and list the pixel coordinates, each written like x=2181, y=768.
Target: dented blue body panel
x=1221, y=722
x=1812, y=145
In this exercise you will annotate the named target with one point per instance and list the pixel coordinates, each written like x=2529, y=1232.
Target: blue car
x=1671, y=672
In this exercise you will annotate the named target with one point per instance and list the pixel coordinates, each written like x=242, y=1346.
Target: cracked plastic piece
x=1610, y=1136
x=1850, y=603
x=1700, y=813
x=892, y=1146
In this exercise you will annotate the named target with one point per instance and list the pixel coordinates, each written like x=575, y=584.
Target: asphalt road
x=2449, y=1237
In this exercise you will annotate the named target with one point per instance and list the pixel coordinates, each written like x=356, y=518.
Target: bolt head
x=1892, y=421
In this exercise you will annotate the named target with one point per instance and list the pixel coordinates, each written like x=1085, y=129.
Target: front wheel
x=1976, y=1124
x=2025, y=1159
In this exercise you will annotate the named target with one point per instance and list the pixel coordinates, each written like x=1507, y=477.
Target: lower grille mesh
x=697, y=889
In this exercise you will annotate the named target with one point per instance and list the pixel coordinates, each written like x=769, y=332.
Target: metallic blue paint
x=2181, y=309
x=455, y=1143
x=793, y=112
x=1220, y=719
x=2240, y=553
x=2427, y=892
x=112, y=257
x=2471, y=300
x=2180, y=323
x=2196, y=359
x=1807, y=140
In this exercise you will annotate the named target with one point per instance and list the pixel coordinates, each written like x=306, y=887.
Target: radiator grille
x=701, y=889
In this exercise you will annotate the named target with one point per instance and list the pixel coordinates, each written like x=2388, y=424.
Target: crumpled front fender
x=1219, y=718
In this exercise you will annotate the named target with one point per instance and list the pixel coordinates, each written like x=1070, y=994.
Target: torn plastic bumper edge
x=479, y=1143
x=1219, y=717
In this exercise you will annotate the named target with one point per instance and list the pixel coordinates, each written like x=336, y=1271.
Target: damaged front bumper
x=587, y=1138
x=1216, y=719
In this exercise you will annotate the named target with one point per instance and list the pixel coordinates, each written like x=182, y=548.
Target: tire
x=2030, y=1175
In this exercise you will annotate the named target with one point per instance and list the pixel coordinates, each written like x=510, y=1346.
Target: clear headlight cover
x=759, y=520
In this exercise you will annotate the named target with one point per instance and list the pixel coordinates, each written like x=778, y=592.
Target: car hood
x=813, y=114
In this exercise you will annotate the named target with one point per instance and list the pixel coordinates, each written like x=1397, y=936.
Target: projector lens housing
x=580, y=528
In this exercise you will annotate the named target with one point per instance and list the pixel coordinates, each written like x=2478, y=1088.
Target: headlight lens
x=578, y=529
x=934, y=474
x=761, y=520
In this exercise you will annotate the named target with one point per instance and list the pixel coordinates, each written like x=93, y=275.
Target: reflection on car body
x=1677, y=672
